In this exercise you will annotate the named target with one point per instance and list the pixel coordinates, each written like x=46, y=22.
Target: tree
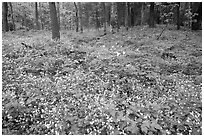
x=118, y=4
x=54, y=21
x=41, y=18
x=97, y=18
x=80, y=17
x=77, y=18
x=104, y=16
x=142, y=14
x=178, y=15
x=197, y=15
x=126, y=15
x=37, y=26
x=5, y=26
x=151, y=15
x=12, y=18
x=58, y=13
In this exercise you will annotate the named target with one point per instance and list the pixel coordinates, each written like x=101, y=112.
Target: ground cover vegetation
x=124, y=83
x=95, y=77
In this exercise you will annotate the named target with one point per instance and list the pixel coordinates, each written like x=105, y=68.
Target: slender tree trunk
x=104, y=16
x=13, y=22
x=24, y=20
x=80, y=17
x=190, y=7
x=5, y=26
x=118, y=16
x=54, y=21
x=178, y=15
x=77, y=17
x=126, y=15
x=40, y=13
x=151, y=15
x=97, y=20
x=36, y=17
x=142, y=14
x=58, y=13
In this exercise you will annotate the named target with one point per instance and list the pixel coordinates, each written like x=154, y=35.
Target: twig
x=161, y=32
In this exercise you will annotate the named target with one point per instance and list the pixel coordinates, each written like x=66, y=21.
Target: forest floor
x=122, y=83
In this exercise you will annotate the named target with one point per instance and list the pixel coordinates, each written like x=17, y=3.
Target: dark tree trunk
x=24, y=19
x=5, y=26
x=126, y=16
x=80, y=17
x=37, y=26
x=109, y=14
x=151, y=15
x=77, y=17
x=118, y=16
x=41, y=19
x=197, y=8
x=97, y=19
x=142, y=14
x=58, y=13
x=13, y=22
x=104, y=16
x=54, y=21
x=178, y=15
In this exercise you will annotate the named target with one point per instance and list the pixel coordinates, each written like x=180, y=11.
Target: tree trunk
x=178, y=15
x=97, y=20
x=77, y=17
x=80, y=17
x=40, y=13
x=36, y=17
x=108, y=14
x=12, y=18
x=142, y=14
x=58, y=13
x=151, y=15
x=126, y=16
x=54, y=21
x=118, y=16
x=24, y=19
x=5, y=26
x=197, y=19
x=104, y=16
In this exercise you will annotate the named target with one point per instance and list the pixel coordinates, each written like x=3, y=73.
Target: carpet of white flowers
x=127, y=83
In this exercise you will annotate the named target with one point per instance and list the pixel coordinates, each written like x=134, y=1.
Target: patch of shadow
x=193, y=68
x=196, y=53
x=168, y=55
x=169, y=69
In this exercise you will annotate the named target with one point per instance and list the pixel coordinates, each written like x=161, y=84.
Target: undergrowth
x=123, y=83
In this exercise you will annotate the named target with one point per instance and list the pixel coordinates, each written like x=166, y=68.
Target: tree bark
x=118, y=16
x=80, y=17
x=151, y=15
x=40, y=13
x=97, y=19
x=54, y=21
x=178, y=15
x=126, y=16
x=24, y=19
x=197, y=19
x=58, y=13
x=12, y=18
x=77, y=17
x=5, y=26
x=142, y=14
x=37, y=26
x=104, y=16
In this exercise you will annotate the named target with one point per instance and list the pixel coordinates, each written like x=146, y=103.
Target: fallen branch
x=161, y=32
